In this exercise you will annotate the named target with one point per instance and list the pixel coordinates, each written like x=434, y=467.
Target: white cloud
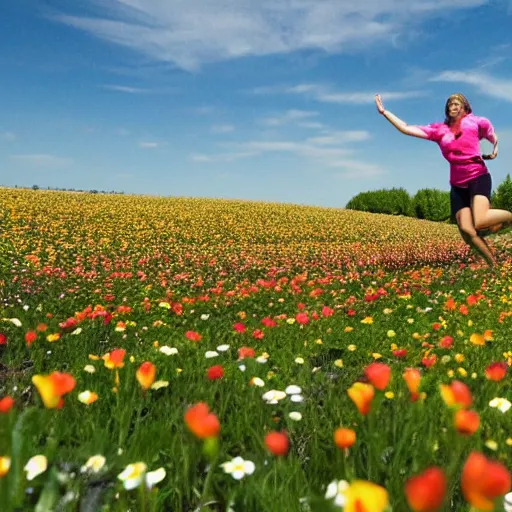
x=192, y=32
x=332, y=149
x=125, y=89
x=42, y=160
x=288, y=117
x=325, y=94
x=8, y=136
x=484, y=83
x=222, y=128
x=150, y=145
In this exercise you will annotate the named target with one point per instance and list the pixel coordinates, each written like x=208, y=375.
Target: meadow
x=180, y=354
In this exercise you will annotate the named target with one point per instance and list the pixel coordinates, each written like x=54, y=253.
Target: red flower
x=446, y=342
x=201, y=422
x=496, y=371
x=244, y=352
x=466, y=422
x=269, y=322
x=425, y=492
x=327, y=311
x=258, y=334
x=351, y=312
x=3, y=339
x=215, y=372
x=239, y=327
x=193, y=336
x=379, y=375
x=30, y=337
x=436, y=326
x=429, y=361
x=302, y=318
x=6, y=404
x=483, y=481
x=400, y=353
x=277, y=443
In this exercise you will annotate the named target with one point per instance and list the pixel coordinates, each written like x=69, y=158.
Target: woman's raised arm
x=402, y=126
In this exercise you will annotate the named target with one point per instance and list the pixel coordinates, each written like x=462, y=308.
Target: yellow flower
x=410, y=320
x=299, y=360
x=319, y=341
x=450, y=373
x=393, y=346
x=389, y=395
x=5, y=464
x=388, y=311
x=470, y=323
x=349, y=329
x=376, y=355
x=53, y=337
x=367, y=496
x=367, y=320
x=492, y=445
x=462, y=372
x=133, y=475
x=159, y=384
x=290, y=321
x=459, y=358
x=94, y=464
x=338, y=363
x=391, y=333
x=509, y=441
x=352, y=348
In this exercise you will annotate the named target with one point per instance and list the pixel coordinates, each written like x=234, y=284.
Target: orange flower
x=362, y=395
x=115, y=358
x=412, y=378
x=277, y=443
x=466, y=422
x=425, y=492
x=496, y=371
x=146, y=374
x=450, y=304
x=53, y=387
x=344, y=438
x=201, y=422
x=483, y=481
x=379, y=375
x=477, y=339
x=456, y=395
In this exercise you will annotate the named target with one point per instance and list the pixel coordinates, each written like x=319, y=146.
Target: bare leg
x=468, y=232
x=485, y=216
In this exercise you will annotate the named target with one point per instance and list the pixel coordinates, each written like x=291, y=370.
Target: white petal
x=154, y=477
x=293, y=390
x=332, y=490
x=35, y=466
x=297, y=398
x=238, y=474
x=210, y=354
x=295, y=416
x=168, y=351
x=249, y=467
x=132, y=483
x=223, y=348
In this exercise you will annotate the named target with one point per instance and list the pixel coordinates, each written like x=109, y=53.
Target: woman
x=459, y=140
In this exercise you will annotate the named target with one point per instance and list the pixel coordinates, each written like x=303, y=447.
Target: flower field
x=178, y=354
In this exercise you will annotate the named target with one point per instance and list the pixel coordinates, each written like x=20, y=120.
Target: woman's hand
x=380, y=105
x=492, y=156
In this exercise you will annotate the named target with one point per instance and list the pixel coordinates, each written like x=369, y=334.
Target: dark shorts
x=461, y=197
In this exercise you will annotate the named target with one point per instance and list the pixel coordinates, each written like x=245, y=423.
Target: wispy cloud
x=222, y=128
x=483, y=82
x=332, y=149
x=42, y=160
x=192, y=32
x=326, y=94
x=8, y=136
x=150, y=144
x=291, y=115
x=125, y=88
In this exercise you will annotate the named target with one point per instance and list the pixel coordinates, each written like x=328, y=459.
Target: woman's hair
x=462, y=99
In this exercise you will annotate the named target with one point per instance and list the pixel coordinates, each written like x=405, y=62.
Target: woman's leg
x=468, y=232
x=487, y=217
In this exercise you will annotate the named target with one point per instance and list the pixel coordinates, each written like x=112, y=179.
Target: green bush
x=502, y=195
x=432, y=204
x=395, y=201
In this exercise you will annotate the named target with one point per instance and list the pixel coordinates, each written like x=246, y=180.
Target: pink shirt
x=462, y=147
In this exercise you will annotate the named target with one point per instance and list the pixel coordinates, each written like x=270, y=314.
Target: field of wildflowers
x=176, y=354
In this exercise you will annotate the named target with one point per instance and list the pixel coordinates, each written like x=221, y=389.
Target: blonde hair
x=465, y=103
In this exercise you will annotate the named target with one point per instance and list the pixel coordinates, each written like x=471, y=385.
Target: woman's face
x=455, y=108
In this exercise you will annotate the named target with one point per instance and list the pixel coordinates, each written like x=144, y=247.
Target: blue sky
x=268, y=100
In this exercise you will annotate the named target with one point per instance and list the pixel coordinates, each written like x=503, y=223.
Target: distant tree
x=35, y=187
